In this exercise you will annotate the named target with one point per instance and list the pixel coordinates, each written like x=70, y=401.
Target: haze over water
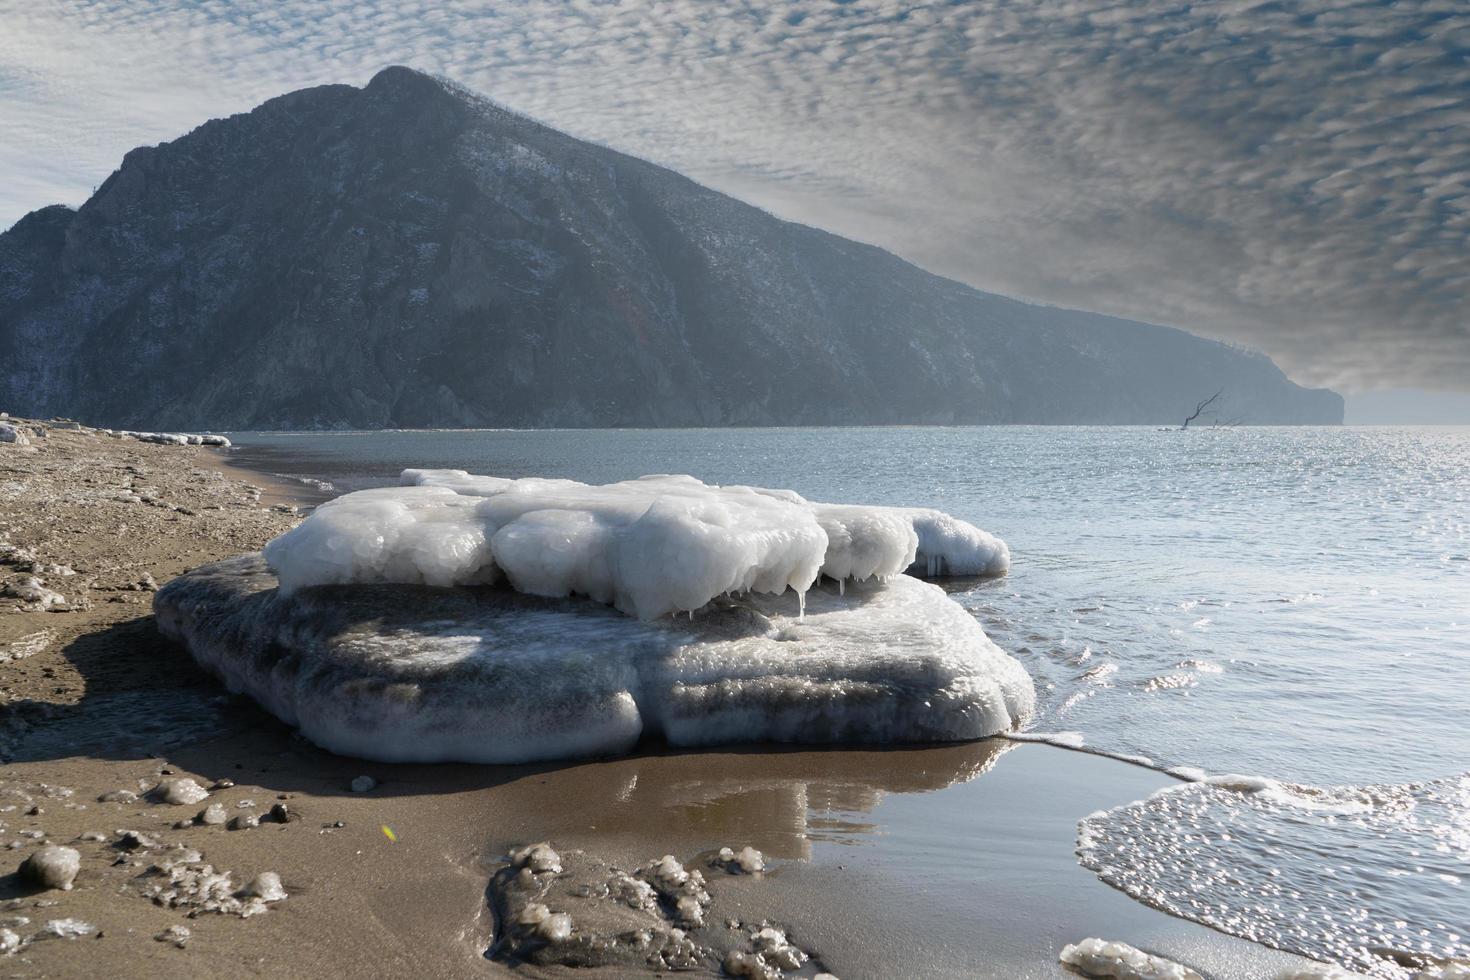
x=1286, y=603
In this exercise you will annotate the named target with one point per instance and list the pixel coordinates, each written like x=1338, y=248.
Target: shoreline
x=906, y=861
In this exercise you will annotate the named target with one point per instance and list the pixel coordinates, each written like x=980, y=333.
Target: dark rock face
x=407, y=254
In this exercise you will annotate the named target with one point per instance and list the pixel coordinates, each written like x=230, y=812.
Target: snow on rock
x=652, y=546
x=1099, y=958
x=395, y=673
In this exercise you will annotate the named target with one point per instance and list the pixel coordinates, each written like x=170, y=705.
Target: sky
x=1292, y=176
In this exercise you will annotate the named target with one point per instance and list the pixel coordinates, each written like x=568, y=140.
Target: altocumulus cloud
x=1290, y=175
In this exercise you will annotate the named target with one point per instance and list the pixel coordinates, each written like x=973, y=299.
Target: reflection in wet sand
x=777, y=801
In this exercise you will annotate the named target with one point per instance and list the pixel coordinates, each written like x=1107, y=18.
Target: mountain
x=409, y=254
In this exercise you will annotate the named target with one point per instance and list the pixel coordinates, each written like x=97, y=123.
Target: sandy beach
x=946, y=861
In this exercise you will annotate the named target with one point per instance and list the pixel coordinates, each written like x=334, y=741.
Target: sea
x=1279, y=618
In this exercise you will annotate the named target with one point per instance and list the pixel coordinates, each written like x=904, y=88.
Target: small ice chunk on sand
x=213, y=815
x=52, y=866
x=539, y=858
x=265, y=886
x=555, y=928
x=181, y=792
x=1331, y=971
x=745, y=861
x=66, y=929
x=1099, y=958
x=9, y=941
x=364, y=784
x=175, y=934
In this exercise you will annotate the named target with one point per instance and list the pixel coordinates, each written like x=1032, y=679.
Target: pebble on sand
x=52, y=866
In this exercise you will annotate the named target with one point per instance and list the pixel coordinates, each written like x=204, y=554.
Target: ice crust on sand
x=652, y=546
x=402, y=673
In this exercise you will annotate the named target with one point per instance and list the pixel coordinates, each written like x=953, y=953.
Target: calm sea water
x=1286, y=603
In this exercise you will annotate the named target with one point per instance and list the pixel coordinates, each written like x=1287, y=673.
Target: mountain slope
x=407, y=254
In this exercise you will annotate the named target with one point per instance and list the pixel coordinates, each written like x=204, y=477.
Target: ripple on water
x=1376, y=878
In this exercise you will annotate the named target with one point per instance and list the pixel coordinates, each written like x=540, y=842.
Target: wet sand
x=928, y=862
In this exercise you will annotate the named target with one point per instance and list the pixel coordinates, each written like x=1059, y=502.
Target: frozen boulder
x=52, y=866
x=400, y=673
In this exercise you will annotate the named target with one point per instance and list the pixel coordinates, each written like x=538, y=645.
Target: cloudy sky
x=1294, y=176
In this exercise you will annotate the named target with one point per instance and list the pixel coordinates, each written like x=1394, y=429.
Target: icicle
x=800, y=607
x=842, y=586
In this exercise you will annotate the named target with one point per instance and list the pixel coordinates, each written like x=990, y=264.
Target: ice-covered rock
x=10, y=434
x=650, y=546
x=1099, y=958
x=401, y=674
x=52, y=866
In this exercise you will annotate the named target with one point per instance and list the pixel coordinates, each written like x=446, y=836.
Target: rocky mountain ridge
x=409, y=254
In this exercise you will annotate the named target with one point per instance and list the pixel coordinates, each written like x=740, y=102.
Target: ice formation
x=665, y=916
x=1100, y=958
x=398, y=673
x=171, y=438
x=652, y=546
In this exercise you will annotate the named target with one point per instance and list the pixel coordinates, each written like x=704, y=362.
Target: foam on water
x=1376, y=878
x=650, y=547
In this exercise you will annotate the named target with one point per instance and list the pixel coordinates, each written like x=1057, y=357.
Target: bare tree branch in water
x=1200, y=408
